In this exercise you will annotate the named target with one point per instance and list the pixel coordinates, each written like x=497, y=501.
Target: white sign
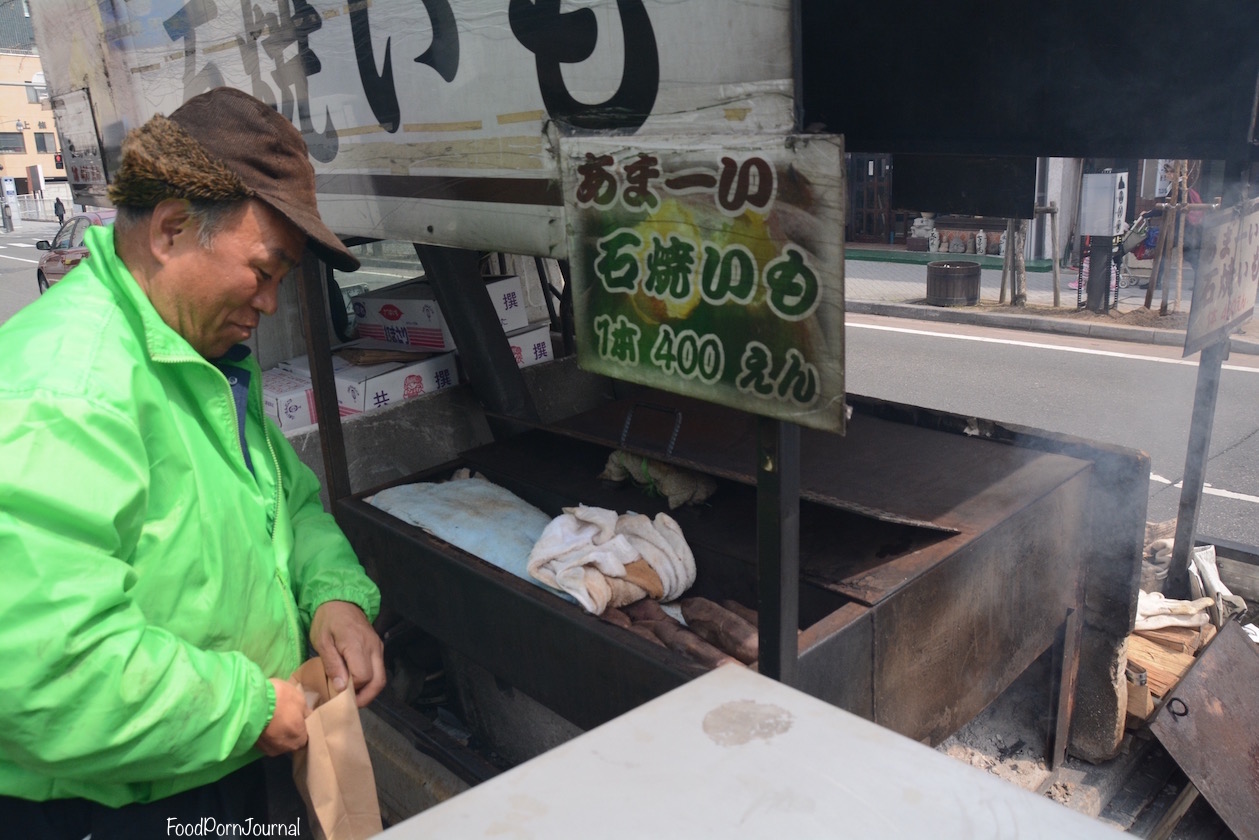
x=1103, y=201
x=427, y=121
x=1228, y=277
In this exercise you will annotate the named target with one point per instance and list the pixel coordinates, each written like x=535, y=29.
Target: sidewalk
x=890, y=282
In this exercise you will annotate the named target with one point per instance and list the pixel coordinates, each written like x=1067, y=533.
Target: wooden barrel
x=952, y=283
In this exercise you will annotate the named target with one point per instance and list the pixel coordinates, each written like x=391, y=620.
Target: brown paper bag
x=333, y=771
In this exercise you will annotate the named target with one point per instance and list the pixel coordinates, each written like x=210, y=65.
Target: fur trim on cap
x=160, y=160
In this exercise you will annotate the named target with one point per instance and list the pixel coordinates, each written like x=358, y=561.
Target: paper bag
x=333, y=771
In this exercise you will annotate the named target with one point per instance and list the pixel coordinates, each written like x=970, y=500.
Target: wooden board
x=1140, y=702
x=1163, y=667
x=1210, y=725
x=1176, y=639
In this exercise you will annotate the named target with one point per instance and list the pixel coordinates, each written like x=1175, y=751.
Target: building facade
x=30, y=149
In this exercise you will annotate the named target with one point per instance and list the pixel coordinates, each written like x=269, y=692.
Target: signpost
x=1224, y=299
x=84, y=160
x=712, y=268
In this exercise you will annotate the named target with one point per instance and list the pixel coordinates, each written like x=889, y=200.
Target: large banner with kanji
x=712, y=269
x=1227, y=277
x=427, y=119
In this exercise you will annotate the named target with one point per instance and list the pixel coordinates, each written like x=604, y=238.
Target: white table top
x=733, y=754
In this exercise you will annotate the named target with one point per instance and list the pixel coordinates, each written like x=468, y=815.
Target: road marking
x=19, y=259
x=18, y=245
x=1041, y=346
x=1208, y=490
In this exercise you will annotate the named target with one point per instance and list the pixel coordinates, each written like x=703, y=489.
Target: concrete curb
x=1038, y=323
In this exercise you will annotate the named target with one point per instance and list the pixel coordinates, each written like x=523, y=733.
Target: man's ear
x=170, y=224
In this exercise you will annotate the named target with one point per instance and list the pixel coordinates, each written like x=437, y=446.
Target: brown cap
x=225, y=145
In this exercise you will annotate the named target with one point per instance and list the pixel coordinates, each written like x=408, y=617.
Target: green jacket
x=150, y=583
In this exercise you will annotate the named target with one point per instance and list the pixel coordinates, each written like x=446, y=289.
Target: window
x=45, y=142
x=36, y=92
x=62, y=240
x=12, y=143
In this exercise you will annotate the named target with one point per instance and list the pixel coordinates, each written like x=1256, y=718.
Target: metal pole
x=312, y=300
x=778, y=547
x=1204, y=398
x=484, y=352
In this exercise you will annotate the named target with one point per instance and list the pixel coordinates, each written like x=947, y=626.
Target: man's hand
x=286, y=731
x=350, y=649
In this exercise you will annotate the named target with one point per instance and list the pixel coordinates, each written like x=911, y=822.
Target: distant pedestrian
x=60, y=210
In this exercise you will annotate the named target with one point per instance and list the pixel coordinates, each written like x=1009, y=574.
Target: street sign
x=1103, y=201
x=81, y=144
x=712, y=268
x=1227, y=277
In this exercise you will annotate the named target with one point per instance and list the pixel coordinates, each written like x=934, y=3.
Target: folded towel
x=604, y=559
x=474, y=514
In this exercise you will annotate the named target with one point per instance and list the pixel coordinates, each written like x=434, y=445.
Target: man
x=60, y=210
x=164, y=555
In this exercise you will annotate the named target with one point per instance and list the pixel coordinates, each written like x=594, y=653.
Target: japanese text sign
x=712, y=269
x=1227, y=278
x=426, y=119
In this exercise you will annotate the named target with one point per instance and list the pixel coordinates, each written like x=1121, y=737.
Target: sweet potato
x=644, y=631
x=612, y=615
x=746, y=613
x=645, y=610
x=678, y=638
x=722, y=628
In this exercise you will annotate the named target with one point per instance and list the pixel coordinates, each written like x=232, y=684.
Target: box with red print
x=408, y=313
x=370, y=387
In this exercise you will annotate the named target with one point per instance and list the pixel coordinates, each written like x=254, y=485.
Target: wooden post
x=1018, y=273
x=1164, y=238
x=1182, y=197
x=1006, y=259
x=1053, y=235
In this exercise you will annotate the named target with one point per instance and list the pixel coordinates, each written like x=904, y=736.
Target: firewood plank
x=1176, y=639
x=1163, y=667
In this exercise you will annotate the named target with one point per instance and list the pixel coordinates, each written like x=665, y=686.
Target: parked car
x=66, y=250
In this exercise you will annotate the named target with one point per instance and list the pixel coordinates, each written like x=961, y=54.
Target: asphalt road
x=1135, y=395
x=18, y=259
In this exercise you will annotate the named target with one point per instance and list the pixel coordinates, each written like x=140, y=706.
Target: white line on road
x=1041, y=346
x=1208, y=489
x=19, y=259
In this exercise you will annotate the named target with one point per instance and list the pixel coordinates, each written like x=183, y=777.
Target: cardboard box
x=300, y=365
x=288, y=398
x=368, y=387
x=408, y=313
x=508, y=296
x=532, y=344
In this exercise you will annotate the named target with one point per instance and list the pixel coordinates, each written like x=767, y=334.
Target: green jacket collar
x=163, y=343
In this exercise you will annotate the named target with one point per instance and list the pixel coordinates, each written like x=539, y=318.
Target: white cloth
x=1204, y=582
x=585, y=550
x=1155, y=610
